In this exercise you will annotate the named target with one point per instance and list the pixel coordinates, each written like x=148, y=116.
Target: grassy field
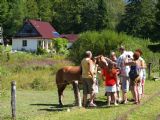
x=43, y=105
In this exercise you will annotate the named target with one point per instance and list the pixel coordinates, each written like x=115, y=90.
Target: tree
x=17, y=16
x=115, y=10
x=4, y=13
x=138, y=19
x=31, y=9
x=60, y=44
x=157, y=23
x=45, y=11
x=101, y=15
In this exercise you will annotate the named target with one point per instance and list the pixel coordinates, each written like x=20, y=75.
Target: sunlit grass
x=38, y=105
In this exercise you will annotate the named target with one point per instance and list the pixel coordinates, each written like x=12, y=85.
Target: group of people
x=127, y=72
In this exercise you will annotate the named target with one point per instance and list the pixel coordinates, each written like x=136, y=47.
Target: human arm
x=91, y=68
x=129, y=61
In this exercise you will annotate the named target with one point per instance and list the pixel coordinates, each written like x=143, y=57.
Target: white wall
x=31, y=44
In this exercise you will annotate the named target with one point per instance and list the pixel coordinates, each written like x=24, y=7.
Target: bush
x=98, y=42
x=60, y=44
x=106, y=41
x=41, y=51
x=39, y=84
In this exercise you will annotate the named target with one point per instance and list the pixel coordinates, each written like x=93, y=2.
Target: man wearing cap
x=87, y=78
x=124, y=71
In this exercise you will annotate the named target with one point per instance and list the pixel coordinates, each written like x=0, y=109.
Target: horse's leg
x=60, y=93
x=77, y=93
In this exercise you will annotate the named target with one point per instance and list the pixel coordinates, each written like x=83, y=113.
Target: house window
x=24, y=43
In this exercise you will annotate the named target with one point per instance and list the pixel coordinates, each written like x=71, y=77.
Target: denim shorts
x=125, y=83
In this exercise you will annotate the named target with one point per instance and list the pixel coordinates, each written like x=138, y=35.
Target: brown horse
x=70, y=74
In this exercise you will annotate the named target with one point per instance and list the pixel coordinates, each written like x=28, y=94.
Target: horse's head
x=101, y=61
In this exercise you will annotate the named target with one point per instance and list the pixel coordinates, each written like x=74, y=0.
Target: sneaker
x=92, y=105
x=115, y=104
x=124, y=102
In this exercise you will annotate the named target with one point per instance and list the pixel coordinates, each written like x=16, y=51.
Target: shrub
x=106, y=41
x=60, y=44
x=36, y=84
x=98, y=42
x=41, y=51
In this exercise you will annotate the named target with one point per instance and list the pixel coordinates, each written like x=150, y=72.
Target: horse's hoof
x=60, y=105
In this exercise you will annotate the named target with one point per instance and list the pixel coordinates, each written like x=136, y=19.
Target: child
x=114, y=59
x=109, y=75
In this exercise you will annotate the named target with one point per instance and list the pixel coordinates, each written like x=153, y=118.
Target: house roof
x=70, y=37
x=45, y=29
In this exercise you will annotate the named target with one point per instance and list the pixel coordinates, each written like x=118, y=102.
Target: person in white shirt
x=124, y=71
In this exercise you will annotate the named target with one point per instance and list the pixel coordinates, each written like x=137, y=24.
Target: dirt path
x=124, y=116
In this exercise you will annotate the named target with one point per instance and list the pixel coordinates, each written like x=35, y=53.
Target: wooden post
x=13, y=99
x=77, y=93
x=149, y=70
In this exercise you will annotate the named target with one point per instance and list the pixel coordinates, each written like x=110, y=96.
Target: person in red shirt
x=110, y=76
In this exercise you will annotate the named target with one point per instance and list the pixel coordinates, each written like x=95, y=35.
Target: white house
x=32, y=35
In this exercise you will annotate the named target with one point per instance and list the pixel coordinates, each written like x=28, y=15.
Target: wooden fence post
x=149, y=70
x=13, y=99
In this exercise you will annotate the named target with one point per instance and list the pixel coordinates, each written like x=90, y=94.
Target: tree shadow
x=154, y=48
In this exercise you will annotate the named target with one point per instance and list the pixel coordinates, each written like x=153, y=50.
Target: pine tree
x=115, y=10
x=17, y=10
x=157, y=23
x=102, y=15
x=31, y=9
x=4, y=9
x=45, y=11
x=139, y=18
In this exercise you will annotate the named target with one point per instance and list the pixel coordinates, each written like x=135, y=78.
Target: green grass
x=148, y=111
x=26, y=68
x=42, y=105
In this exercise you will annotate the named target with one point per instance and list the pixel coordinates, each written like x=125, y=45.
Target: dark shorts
x=87, y=85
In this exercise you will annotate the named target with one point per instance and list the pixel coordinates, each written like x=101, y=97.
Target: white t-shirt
x=124, y=69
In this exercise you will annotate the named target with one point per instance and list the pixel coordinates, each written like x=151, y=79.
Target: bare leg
x=132, y=92
x=142, y=90
x=136, y=93
x=124, y=96
x=108, y=98
x=114, y=97
x=92, y=96
x=84, y=100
